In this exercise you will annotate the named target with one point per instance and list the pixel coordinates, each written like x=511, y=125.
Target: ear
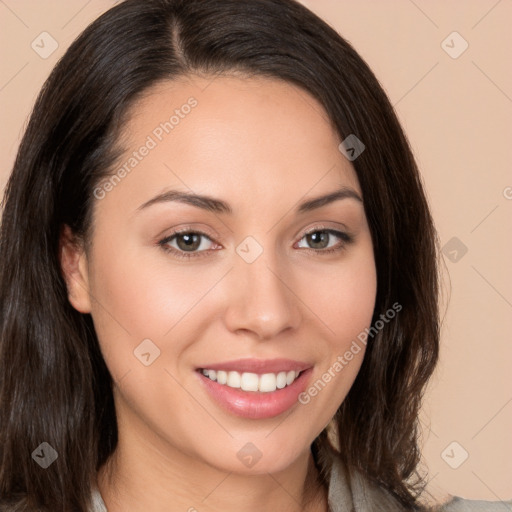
x=73, y=263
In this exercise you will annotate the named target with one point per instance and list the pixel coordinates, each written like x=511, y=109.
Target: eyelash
x=345, y=237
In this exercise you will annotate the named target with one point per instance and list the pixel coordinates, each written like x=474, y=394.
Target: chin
x=258, y=457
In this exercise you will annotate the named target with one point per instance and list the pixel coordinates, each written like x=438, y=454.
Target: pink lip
x=259, y=366
x=255, y=404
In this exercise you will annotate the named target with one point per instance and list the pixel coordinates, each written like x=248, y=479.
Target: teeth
x=233, y=380
x=266, y=383
x=281, y=380
x=249, y=382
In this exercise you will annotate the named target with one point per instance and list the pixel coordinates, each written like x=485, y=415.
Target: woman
x=219, y=281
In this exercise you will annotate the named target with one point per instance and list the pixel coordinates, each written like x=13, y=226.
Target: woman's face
x=273, y=283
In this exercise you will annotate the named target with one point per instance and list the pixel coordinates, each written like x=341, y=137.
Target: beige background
x=457, y=115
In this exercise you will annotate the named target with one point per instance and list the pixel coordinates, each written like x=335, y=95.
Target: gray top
x=350, y=492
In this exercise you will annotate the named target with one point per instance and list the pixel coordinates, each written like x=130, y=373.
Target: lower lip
x=255, y=404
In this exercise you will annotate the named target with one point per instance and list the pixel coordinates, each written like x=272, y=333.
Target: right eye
x=187, y=244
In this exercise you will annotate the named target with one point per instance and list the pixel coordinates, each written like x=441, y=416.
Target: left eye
x=320, y=238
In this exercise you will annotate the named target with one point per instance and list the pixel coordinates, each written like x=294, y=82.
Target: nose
x=261, y=299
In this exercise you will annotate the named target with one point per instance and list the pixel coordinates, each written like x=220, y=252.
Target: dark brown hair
x=54, y=385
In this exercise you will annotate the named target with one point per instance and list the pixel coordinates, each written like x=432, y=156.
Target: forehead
x=232, y=136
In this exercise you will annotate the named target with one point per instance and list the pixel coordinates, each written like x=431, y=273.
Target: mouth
x=255, y=389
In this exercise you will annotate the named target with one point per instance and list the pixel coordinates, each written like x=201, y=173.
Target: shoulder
x=457, y=504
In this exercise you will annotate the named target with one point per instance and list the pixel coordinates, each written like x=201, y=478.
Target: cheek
x=355, y=300
x=344, y=304
x=142, y=293
x=140, y=298
x=343, y=297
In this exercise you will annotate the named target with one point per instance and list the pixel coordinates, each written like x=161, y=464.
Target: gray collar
x=349, y=491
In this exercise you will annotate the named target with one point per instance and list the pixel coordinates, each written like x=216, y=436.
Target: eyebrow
x=214, y=205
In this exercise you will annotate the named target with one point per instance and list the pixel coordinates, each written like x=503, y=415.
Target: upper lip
x=259, y=366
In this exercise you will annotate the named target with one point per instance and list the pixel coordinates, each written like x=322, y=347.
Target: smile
x=255, y=389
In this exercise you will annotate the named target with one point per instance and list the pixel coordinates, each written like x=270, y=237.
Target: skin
x=261, y=145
